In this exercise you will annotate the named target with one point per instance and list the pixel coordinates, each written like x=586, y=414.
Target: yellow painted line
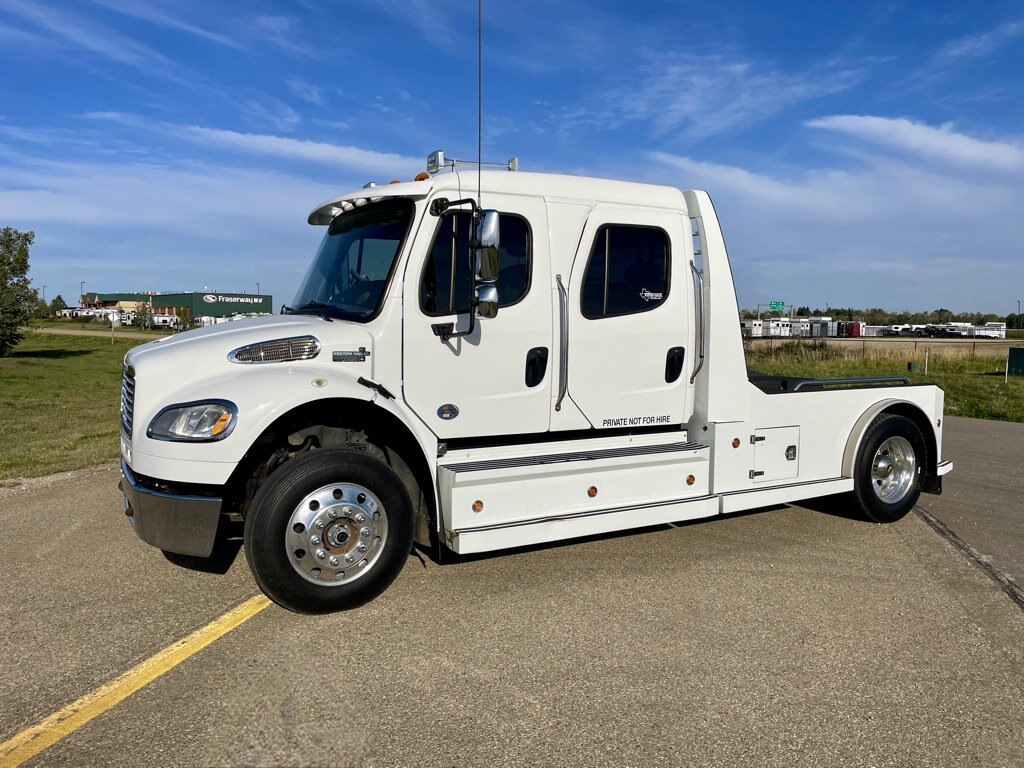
x=49, y=731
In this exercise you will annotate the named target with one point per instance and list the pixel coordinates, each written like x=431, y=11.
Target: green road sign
x=778, y=305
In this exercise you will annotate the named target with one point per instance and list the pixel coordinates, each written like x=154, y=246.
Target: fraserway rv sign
x=211, y=298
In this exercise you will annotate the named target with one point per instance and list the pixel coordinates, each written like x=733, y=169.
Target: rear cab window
x=627, y=271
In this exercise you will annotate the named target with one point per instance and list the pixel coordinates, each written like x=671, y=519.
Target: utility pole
x=81, y=292
x=258, y=291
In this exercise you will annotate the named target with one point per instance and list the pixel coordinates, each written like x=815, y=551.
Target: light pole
x=44, y=294
x=81, y=292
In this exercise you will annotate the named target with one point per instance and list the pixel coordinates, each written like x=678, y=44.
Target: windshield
x=351, y=269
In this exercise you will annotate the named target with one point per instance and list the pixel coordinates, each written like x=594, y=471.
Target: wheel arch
x=337, y=422
x=896, y=408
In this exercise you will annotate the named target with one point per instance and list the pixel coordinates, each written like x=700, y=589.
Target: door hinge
x=756, y=439
x=755, y=473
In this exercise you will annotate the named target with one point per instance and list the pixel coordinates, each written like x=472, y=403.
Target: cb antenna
x=479, y=97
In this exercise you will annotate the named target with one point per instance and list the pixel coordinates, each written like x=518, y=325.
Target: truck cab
x=552, y=357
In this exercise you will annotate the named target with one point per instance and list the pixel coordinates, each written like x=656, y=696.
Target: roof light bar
x=436, y=161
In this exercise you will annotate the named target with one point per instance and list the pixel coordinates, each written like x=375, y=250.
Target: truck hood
x=207, y=349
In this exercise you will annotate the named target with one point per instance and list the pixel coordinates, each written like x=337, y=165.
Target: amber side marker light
x=735, y=442
x=478, y=506
x=690, y=479
x=221, y=424
x=592, y=491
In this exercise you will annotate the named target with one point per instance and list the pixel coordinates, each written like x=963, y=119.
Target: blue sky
x=865, y=154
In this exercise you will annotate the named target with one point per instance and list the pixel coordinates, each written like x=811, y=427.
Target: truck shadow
x=225, y=551
x=841, y=505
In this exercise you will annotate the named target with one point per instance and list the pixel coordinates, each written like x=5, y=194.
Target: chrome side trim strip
x=578, y=515
x=804, y=484
x=559, y=458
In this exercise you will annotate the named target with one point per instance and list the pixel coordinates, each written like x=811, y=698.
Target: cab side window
x=447, y=279
x=627, y=272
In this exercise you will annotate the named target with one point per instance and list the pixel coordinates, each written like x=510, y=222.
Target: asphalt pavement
x=790, y=637
x=983, y=499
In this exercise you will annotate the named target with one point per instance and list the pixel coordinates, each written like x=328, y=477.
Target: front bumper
x=175, y=523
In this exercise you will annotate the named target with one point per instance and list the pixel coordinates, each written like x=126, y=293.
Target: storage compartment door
x=776, y=454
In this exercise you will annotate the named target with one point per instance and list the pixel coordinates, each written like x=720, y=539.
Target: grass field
x=90, y=325
x=973, y=387
x=59, y=399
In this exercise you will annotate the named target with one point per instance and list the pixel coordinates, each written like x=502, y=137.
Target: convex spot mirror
x=487, y=300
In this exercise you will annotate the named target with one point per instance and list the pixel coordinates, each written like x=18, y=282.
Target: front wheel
x=329, y=531
x=887, y=471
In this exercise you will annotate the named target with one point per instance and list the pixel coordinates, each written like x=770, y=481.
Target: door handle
x=674, y=364
x=536, y=365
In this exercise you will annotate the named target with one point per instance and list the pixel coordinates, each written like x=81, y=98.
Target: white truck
x=568, y=362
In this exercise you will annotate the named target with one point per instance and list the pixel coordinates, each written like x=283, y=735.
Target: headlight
x=194, y=422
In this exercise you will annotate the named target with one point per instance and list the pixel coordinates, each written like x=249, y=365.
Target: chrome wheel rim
x=893, y=470
x=336, y=534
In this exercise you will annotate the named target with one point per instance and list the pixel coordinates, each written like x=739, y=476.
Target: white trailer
x=566, y=363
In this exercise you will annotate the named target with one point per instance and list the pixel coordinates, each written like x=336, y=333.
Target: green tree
x=144, y=314
x=57, y=304
x=17, y=299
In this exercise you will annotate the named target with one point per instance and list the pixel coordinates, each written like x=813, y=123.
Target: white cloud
x=147, y=226
x=282, y=32
x=160, y=18
x=906, y=229
x=355, y=158
x=314, y=94
x=935, y=143
x=275, y=113
x=982, y=44
x=702, y=95
x=98, y=39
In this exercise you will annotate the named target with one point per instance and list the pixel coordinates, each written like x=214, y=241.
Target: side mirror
x=488, y=236
x=487, y=300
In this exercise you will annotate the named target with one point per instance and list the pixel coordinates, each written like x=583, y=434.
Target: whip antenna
x=479, y=96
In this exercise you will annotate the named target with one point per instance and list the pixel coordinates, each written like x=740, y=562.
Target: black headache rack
x=776, y=385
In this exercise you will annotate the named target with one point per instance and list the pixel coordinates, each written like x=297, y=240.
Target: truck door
x=497, y=380
x=628, y=320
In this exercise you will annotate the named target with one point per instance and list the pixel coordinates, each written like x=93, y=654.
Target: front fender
x=262, y=396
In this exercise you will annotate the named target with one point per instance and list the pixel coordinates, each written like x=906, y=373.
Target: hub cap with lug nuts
x=336, y=534
x=893, y=470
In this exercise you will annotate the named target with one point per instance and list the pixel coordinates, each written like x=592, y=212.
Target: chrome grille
x=127, y=399
x=277, y=351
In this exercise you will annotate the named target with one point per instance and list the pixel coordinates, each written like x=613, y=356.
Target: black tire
x=358, y=510
x=887, y=471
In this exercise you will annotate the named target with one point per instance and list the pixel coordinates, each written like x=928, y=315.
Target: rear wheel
x=887, y=471
x=329, y=531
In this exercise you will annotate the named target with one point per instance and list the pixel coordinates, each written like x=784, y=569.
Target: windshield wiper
x=313, y=308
